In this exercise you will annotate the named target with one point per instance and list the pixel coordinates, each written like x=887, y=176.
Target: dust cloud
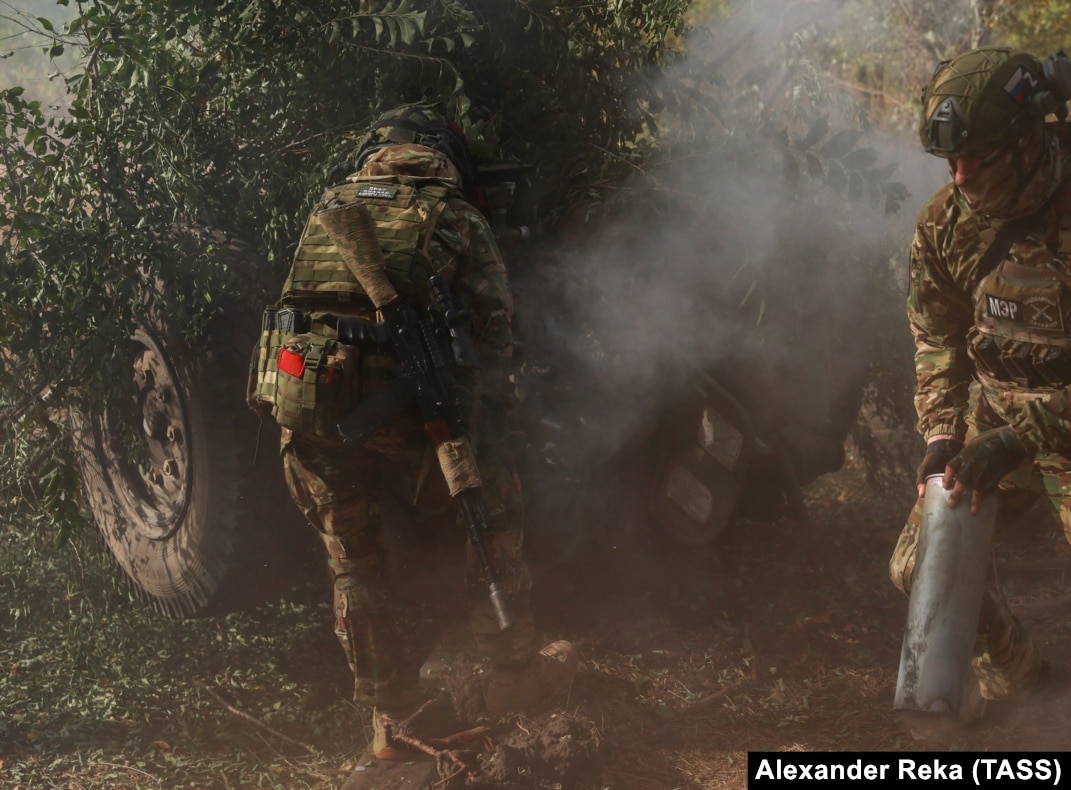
x=771, y=266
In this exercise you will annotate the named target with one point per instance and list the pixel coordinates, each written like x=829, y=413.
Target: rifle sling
x=430, y=224
x=1011, y=232
x=998, y=249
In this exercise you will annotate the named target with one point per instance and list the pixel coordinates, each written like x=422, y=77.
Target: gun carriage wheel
x=191, y=511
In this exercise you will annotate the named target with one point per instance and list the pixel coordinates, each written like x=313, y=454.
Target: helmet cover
x=419, y=125
x=979, y=101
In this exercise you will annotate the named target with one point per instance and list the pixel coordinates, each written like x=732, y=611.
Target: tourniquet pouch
x=305, y=381
x=314, y=384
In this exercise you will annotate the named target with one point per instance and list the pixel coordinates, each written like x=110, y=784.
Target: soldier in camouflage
x=412, y=168
x=989, y=305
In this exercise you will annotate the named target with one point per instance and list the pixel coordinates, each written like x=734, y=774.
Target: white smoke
x=776, y=285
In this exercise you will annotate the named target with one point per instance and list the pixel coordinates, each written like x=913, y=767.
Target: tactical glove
x=938, y=453
x=987, y=457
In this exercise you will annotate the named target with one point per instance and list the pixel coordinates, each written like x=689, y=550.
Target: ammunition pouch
x=303, y=380
x=1023, y=364
x=276, y=327
x=1022, y=333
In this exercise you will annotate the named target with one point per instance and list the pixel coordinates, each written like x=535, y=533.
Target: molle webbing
x=1021, y=334
x=405, y=211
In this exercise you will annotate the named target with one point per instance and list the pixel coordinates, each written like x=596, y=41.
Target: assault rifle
x=425, y=375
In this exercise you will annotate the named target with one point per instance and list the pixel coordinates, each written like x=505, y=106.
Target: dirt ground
x=779, y=637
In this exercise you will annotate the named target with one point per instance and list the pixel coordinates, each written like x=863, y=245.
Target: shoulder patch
x=381, y=191
x=1043, y=312
x=1038, y=311
x=1008, y=309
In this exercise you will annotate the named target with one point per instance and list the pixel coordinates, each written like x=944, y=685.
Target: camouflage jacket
x=943, y=309
x=462, y=247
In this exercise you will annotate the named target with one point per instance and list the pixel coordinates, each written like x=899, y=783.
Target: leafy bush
x=200, y=115
x=183, y=118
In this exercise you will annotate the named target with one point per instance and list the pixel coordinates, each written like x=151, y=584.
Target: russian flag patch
x=1016, y=87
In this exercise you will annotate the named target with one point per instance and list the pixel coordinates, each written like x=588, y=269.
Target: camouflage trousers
x=386, y=640
x=1006, y=659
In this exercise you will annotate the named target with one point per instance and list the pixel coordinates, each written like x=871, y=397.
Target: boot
x=432, y=724
x=384, y=726
x=533, y=688
x=1052, y=684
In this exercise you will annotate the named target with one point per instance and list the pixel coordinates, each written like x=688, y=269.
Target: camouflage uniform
x=338, y=486
x=963, y=388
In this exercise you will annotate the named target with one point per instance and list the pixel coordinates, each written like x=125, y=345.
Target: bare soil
x=782, y=637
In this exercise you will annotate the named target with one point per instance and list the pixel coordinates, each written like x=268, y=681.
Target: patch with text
x=377, y=191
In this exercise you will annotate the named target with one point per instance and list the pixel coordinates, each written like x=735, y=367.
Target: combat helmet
x=982, y=100
x=419, y=125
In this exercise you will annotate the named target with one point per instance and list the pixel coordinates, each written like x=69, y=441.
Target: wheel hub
x=155, y=477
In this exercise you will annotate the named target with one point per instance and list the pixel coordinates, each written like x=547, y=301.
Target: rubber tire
x=212, y=532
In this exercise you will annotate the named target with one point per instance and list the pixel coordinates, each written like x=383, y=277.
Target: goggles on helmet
x=946, y=129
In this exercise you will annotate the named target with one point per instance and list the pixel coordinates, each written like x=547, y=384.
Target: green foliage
x=105, y=694
x=886, y=52
x=28, y=58
x=1039, y=27
x=184, y=117
x=197, y=115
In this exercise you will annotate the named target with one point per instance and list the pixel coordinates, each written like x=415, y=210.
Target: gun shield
x=701, y=480
x=951, y=568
